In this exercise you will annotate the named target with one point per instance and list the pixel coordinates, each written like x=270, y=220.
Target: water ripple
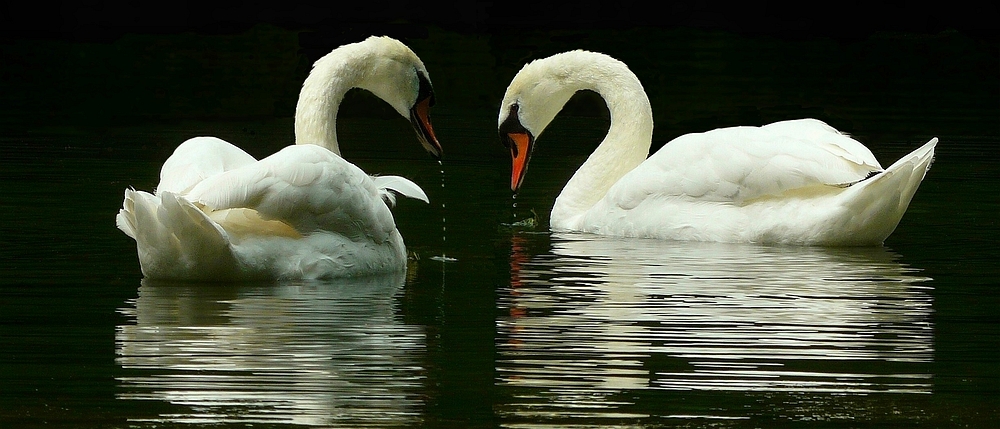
x=596, y=314
x=329, y=353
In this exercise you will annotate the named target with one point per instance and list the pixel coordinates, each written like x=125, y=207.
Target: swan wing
x=306, y=187
x=740, y=165
x=197, y=159
x=878, y=204
x=399, y=185
x=174, y=238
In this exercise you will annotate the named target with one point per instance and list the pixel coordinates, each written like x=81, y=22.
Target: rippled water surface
x=517, y=327
x=329, y=353
x=603, y=313
x=523, y=328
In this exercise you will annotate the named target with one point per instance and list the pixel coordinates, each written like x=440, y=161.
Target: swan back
x=197, y=159
x=381, y=65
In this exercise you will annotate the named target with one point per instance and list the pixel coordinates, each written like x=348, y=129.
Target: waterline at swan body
x=303, y=212
x=791, y=182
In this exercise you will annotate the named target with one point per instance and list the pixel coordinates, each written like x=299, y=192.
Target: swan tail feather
x=126, y=216
x=159, y=222
x=877, y=204
x=388, y=186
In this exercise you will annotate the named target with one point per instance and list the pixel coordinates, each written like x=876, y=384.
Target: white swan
x=303, y=212
x=791, y=182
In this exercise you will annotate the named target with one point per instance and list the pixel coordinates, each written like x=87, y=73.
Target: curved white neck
x=624, y=147
x=383, y=66
x=319, y=101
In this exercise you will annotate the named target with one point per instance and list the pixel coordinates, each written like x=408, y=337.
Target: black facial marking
x=511, y=125
x=424, y=88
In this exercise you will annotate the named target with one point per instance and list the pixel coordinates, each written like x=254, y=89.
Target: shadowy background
x=704, y=65
x=94, y=95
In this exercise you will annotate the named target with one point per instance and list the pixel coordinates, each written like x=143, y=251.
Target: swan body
x=303, y=212
x=791, y=182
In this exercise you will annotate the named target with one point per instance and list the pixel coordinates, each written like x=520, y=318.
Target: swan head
x=381, y=65
x=400, y=78
x=533, y=99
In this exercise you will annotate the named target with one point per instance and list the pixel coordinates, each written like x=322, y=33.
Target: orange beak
x=519, y=141
x=420, y=118
x=520, y=149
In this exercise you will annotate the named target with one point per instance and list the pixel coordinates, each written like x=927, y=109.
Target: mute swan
x=792, y=182
x=303, y=212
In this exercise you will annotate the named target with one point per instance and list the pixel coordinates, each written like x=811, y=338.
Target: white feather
x=399, y=185
x=794, y=182
x=303, y=212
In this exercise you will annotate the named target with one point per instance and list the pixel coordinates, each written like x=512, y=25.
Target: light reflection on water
x=594, y=317
x=306, y=353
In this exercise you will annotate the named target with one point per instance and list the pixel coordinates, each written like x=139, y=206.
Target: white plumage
x=791, y=182
x=303, y=212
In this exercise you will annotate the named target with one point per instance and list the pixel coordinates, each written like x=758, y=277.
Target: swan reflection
x=595, y=316
x=307, y=353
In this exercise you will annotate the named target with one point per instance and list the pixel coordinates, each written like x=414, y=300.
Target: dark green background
x=94, y=97
x=704, y=65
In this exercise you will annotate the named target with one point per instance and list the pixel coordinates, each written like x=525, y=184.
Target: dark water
x=526, y=328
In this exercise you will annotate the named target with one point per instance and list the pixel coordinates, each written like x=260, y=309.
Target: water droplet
x=444, y=215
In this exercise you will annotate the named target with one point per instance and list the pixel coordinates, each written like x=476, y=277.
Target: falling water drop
x=444, y=216
x=444, y=225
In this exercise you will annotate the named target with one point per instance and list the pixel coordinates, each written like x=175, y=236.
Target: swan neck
x=624, y=147
x=319, y=101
